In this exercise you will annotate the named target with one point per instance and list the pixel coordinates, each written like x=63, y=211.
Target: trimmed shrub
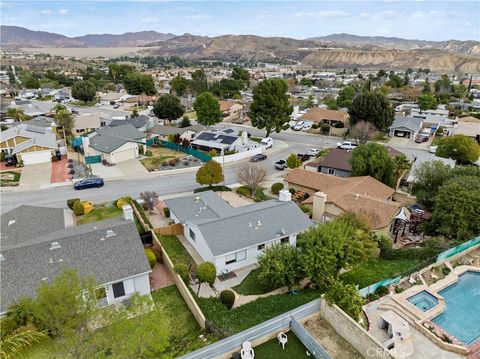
x=227, y=297
x=122, y=202
x=87, y=207
x=151, y=257
x=212, y=188
x=71, y=202
x=206, y=272
x=148, y=153
x=305, y=196
x=172, y=163
x=166, y=212
x=78, y=208
x=292, y=190
x=277, y=187
x=213, y=153
x=446, y=271
x=141, y=150
x=182, y=270
x=244, y=191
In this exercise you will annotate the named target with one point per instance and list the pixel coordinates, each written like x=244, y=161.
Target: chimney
x=284, y=195
x=319, y=200
x=244, y=137
x=127, y=212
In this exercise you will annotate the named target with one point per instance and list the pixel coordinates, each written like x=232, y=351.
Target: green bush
x=148, y=153
x=206, y=272
x=78, y=208
x=7, y=325
x=384, y=242
x=293, y=161
x=71, y=202
x=212, y=188
x=182, y=270
x=381, y=291
x=244, y=191
x=277, y=187
x=285, y=126
x=446, y=271
x=2, y=156
x=151, y=257
x=292, y=190
x=260, y=195
x=227, y=297
x=122, y=201
x=141, y=150
x=346, y=296
x=305, y=196
x=166, y=212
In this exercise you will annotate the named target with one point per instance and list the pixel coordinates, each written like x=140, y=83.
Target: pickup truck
x=346, y=145
x=280, y=165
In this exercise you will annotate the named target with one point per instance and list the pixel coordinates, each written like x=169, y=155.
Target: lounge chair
x=282, y=339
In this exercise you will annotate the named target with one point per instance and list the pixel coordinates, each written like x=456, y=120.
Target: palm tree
x=20, y=340
x=400, y=165
x=17, y=114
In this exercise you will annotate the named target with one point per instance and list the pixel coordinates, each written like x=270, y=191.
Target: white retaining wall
x=240, y=155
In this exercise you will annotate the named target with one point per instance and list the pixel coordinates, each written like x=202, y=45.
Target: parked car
x=299, y=126
x=421, y=139
x=7, y=121
x=74, y=110
x=280, y=165
x=313, y=152
x=307, y=126
x=303, y=157
x=346, y=145
x=292, y=124
x=267, y=142
x=90, y=182
x=258, y=158
x=117, y=105
x=10, y=160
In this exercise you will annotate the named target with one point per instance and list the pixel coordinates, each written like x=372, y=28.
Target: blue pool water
x=423, y=300
x=461, y=317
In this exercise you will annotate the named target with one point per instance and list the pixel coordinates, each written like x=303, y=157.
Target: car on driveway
x=258, y=158
x=421, y=139
x=90, y=182
x=299, y=126
x=280, y=165
x=117, y=105
x=313, y=152
x=346, y=145
x=267, y=142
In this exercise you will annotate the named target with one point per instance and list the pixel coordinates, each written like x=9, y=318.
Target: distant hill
x=15, y=36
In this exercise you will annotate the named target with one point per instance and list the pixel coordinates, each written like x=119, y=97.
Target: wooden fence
x=170, y=230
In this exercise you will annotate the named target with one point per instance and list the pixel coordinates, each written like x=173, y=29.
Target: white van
x=307, y=126
x=267, y=142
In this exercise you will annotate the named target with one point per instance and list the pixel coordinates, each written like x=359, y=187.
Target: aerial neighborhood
x=238, y=196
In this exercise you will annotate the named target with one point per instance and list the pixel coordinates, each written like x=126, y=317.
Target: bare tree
x=251, y=175
x=150, y=199
x=363, y=131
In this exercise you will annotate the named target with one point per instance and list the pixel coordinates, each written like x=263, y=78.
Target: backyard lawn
x=251, y=285
x=159, y=155
x=9, y=178
x=273, y=350
x=175, y=250
x=376, y=269
x=100, y=214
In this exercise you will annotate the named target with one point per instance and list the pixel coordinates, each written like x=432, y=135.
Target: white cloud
x=63, y=11
x=435, y=14
x=385, y=31
x=149, y=20
x=364, y=15
x=322, y=14
x=199, y=17
x=388, y=14
x=267, y=16
x=46, y=12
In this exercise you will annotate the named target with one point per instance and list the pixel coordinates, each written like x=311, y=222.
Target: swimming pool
x=423, y=300
x=461, y=317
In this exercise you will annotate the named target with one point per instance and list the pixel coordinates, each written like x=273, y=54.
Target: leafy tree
x=400, y=164
x=457, y=208
x=330, y=102
x=168, y=107
x=293, y=161
x=84, y=90
x=270, y=109
x=137, y=83
x=185, y=122
x=117, y=72
x=362, y=131
x=134, y=113
x=427, y=88
x=150, y=198
x=280, y=266
x=180, y=85
x=443, y=86
x=29, y=81
x=227, y=88
x=64, y=119
x=346, y=96
x=427, y=101
x=346, y=297
x=199, y=82
x=372, y=107
x=207, y=108
x=206, y=273
x=381, y=74
x=13, y=344
x=459, y=90
x=210, y=173
x=373, y=160
x=460, y=148
x=394, y=80
x=16, y=113
x=240, y=74
x=251, y=175
x=306, y=82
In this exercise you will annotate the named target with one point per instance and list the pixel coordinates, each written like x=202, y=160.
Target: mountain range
x=332, y=51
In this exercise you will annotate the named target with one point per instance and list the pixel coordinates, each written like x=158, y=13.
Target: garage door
x=124, y=155
x=31, y=158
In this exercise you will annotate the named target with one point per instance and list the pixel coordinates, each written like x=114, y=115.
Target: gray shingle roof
x=136, y=122
x=126, y=131
x=114, y=258
x=109, y=139
x=411, y=123
x=227, y=229
x=106, y=144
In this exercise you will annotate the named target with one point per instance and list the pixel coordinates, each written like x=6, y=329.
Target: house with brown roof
x=332, y=196
x=231, y=110
x=331, y=117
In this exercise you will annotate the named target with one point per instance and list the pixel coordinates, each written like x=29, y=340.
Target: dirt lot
x=329, y=339
x=86, y=51
x=160, y=155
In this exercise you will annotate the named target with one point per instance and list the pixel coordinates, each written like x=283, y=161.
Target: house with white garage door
x=407, y=127
x=114, y=144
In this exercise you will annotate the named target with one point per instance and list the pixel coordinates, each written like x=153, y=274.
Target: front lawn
x=100, y=214
x=235, y=320
x=184, y=329
x=159, y=156
x=9, y=178
x=175, y=250
x=251, y=285
x=273, y=350
x=436, y=140
x=376, y=269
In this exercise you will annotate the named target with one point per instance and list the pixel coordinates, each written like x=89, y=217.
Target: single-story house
x=114, y=144
x=468, y=126
x=231, y=110
x=31, y=144
x=408, y=127
x=223, y=140
x=142, y=123
x=233, y=238
x=332, y=196
x=87, y=122
x=37, y=243
x=423, y=157
x=111, y=96
x=319, y=115
x=188, y=133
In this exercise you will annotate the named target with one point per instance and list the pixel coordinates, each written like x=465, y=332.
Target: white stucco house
x=37, y=243
x=233, y=238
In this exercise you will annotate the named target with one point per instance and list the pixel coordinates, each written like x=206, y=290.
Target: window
x=192, y=234
x=118, y=290
x=261, y=247
x=331, y=171
x=241, y=256
x=230, y=258
x=284, y=240
x=236, y=257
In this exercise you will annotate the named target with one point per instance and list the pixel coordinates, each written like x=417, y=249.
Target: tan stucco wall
x=13, y=142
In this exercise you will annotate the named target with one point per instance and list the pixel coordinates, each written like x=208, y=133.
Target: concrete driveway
x=133, y=168
x=36, y=176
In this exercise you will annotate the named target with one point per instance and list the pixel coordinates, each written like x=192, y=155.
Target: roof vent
x=102, y=239
x=259, y=223
x=55, y=245
x=357, y=196
x=11, y=222
x=250, y=224
x=197, y=199
x=2, y=258
x=110, y=233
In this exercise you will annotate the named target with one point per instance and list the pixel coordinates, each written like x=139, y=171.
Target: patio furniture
x=282, y=339
x=247, y=351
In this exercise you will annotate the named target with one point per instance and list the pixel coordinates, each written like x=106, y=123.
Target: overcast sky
x=424, y=20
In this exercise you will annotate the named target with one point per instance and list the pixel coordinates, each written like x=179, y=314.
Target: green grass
x=241, y=318
x=436, y=140
x=251, y=285
x=376, y=269
x=273, y=350
x=184, y=329
x=100, y=214
x=175, y=250
x=10, y=182
x=256, y=139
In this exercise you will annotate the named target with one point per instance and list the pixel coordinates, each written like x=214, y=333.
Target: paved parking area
x=132, y=168
x=106, y=172
x=36, y=176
